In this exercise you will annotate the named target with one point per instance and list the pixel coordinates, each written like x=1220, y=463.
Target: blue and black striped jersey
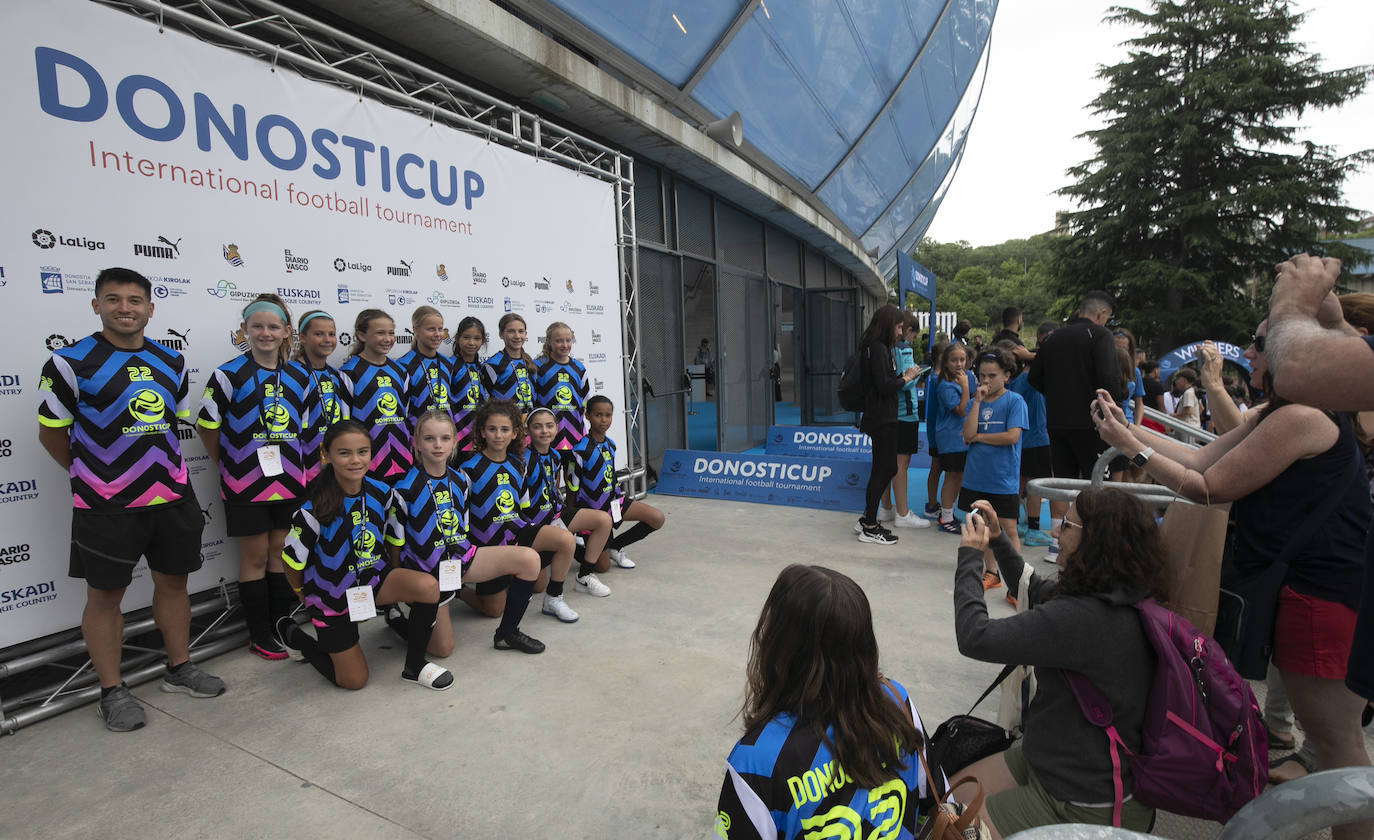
x=377, y=398
x=434, y=513
x=561, y=387
x=509, y=379
x=428, y=383
x=783, y=782
x=497, y=499
x=346, y=551
x=467, y=393
x=122, y=407
x=591, y=473
x=251, y=407
x=331, y=406
x=543, y=484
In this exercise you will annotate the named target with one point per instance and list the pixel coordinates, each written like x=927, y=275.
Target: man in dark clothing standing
x=1069, y=366
x=1011, y=331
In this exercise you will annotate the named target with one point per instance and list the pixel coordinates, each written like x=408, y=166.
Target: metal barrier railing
x=1189, y=432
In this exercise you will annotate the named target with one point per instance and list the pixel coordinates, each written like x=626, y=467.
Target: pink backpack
x=1203, y=752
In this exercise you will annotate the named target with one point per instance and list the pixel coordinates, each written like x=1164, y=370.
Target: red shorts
x=1312, y=637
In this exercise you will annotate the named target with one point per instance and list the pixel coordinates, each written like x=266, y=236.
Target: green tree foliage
x=1202, y=181
x=978, y=283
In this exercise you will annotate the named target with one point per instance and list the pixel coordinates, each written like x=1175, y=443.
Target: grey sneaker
x=121, y=711
x=193, y=681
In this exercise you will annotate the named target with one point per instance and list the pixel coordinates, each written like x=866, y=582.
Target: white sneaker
x=886, y=514
x=621, y=559
x=910, y=519
x=556, y=607
x=1052, y=554
x=592, y=586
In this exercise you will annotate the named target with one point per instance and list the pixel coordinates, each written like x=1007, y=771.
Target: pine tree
x=1202, y=180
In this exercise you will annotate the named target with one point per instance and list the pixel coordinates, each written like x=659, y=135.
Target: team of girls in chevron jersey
x=393, y=486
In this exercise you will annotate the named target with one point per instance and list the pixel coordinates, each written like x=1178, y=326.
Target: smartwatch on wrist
x=1142, y=456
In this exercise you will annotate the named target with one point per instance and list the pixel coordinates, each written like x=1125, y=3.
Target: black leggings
x=884, y=468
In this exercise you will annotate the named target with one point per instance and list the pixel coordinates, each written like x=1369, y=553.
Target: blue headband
x=265, y=306
x=312, y=316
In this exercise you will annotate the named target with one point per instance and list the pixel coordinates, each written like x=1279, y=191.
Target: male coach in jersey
x=109, y=412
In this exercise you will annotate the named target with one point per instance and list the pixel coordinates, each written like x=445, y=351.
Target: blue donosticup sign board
x=832, y=442
x=823, y=483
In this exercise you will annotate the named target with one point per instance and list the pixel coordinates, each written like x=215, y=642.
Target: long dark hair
x=464, y=325
x=1120, y=548
x=525, y=358
x=362, y=324
x=814, y=655
x=881, y=327
x=491, y=408
x=325, y=495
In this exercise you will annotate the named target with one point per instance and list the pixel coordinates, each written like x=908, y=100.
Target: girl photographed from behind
x=337, y=562
x=377, y=393
x=254, y=416
x=992, y=430
x=509, y=373
x=317, y=338
x=560, y=385
x=432, y=504
x=429, y=375
x=497, y=506
x=949, y=400
x=817, y=706
x=545, y=468
x=467, y=390
x=592, y=480
x=882, y=383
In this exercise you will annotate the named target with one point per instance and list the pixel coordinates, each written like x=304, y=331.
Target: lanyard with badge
x=450, y=566
x=329, y=403
x=269, y=454
x=436, y=388
x=361, y=603
x=617, y=509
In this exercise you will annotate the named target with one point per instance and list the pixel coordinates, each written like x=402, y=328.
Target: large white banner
x=220, y=177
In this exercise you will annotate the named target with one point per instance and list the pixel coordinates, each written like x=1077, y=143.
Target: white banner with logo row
x=219, y=177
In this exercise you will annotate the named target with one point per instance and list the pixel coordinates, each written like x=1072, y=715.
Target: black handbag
x=964, y=739
x=1248, y=602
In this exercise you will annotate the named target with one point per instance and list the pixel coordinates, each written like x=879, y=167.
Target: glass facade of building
x=865, y=102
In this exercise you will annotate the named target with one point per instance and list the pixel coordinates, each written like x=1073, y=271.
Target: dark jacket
x=1101, y=637
x=884, y=382
x=1070, y=365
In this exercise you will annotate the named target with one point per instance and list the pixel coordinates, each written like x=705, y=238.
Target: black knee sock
x=584, y=569
x=421, y=628
x=517, y=599
x=310, y=649
x=256, y=611
x=397, y=621
x=280, y=599
x=554, y=589
x=580, y=553
x=632, y=536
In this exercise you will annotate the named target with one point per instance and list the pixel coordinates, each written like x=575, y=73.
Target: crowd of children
x=404, y=483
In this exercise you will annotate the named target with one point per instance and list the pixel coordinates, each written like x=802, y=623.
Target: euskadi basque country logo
x=232, y=255
x=594, y=309
x=47, y=240
x=481, y=302
x=295, y=295
x=23, y=490
x=594, y=358
x=162, y=248
x=10, y=385
x=18, y=597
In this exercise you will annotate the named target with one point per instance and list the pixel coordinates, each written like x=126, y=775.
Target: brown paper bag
x=1194, y=537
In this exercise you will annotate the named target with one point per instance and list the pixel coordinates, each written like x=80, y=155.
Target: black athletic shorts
x=336, y=634
x=908, y=438
x=567, y=513
x=253, y=519
x=493, y=586
x=527, y=534
x=953, y=461
x=106, y=546
x=1035, y=462
x=1074, y=451
x=1007, y=505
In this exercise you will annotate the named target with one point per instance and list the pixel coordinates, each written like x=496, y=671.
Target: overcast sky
x=1041, y=77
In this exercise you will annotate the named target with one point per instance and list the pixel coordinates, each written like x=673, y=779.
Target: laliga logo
x=505, y=501
x=387, y=404
x=278, y=418
x=147, y=407
x=448, y=523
